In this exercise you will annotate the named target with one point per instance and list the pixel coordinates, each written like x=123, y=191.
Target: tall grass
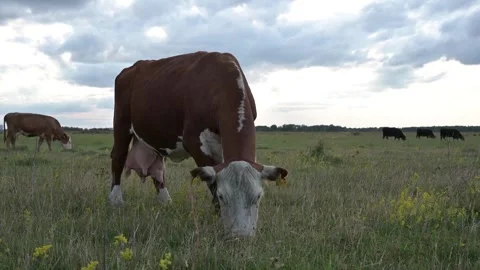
x=381, y=204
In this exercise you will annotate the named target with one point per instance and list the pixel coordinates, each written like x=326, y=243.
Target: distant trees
x=299, y=128
x=334, y=128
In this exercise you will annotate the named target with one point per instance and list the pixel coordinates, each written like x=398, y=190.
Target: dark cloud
x=456, y=40
x=223, y=30
x=85, y=48
x=411, y=49
x=12, y=9
x=95, y=75
x=393, y=77
x=447, y=6
x=385, y=15
x=44, y=5
x=102, y=45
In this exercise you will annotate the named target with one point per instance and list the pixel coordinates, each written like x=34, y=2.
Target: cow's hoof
x=115, y=198
x=163, y=196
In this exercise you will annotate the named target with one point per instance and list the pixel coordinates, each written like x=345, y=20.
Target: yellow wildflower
x=166, y=261
x=90, y=266
x=197, y=180
x=26, y=214
x=120, y=239
x=126, y=254
x=41, y=251
x=281, y=182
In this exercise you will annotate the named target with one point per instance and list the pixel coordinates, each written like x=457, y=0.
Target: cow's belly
x=168, y=144
x=25, y=133
x=178, y=153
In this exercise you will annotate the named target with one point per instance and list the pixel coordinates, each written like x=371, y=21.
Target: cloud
x=73, y=106
x=12, y=9
x=298, y=106
x=421, y=32
x=93, y=75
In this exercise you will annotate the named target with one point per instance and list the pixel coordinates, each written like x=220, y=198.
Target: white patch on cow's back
x=211, y=145
x=241, y=107
x=163, y=196
x=179, y=153
x=115, y=198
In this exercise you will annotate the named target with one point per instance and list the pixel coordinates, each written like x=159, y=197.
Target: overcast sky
x=352, y=63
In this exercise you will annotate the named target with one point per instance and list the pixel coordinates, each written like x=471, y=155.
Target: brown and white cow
x=31, y=125
x=195, y=105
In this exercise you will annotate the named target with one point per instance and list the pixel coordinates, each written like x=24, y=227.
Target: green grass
x=353, y=202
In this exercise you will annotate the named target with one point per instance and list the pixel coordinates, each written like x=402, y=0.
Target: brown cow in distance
x=31, y=125
x=195, y=105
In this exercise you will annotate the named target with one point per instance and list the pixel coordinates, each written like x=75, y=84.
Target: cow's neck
x=237, y=145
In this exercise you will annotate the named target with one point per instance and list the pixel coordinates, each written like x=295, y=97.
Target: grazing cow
x=31, y=125
x=423, y=132
x=393, y=132
x=451, y=132
x=195, y=105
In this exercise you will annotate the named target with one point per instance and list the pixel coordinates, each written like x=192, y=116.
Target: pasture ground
x=352, y=202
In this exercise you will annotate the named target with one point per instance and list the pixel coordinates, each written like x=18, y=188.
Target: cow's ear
x=272, y=173
x=206, y=173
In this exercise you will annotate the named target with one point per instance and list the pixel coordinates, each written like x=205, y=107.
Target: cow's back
x=162, y=92
x=33, y=124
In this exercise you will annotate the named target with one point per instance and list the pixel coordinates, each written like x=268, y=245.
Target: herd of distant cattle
x=195, y=105
x=397, y=133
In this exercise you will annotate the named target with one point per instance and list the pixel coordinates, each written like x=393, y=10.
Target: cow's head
x=66, y=141
x=239, y=192
x=403, y=137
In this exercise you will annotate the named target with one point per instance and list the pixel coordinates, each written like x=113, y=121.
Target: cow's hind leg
x=40, y=141
x=12, y=141
x=121, y=141
x=7, y=139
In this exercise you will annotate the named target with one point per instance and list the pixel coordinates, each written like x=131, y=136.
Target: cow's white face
x=239, y=192
x=67, y=145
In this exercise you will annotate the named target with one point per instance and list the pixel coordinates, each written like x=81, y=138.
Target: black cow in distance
x=452, y=133
x=393, y=132
x=423, y=132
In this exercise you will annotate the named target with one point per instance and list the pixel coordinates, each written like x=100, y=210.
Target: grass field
x=353, y=202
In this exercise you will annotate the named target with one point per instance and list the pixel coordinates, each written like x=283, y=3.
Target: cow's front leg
x=205, y=154
x=49, y=143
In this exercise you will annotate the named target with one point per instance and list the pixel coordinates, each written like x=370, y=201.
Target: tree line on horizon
x=299, y=128
x=335, y=128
